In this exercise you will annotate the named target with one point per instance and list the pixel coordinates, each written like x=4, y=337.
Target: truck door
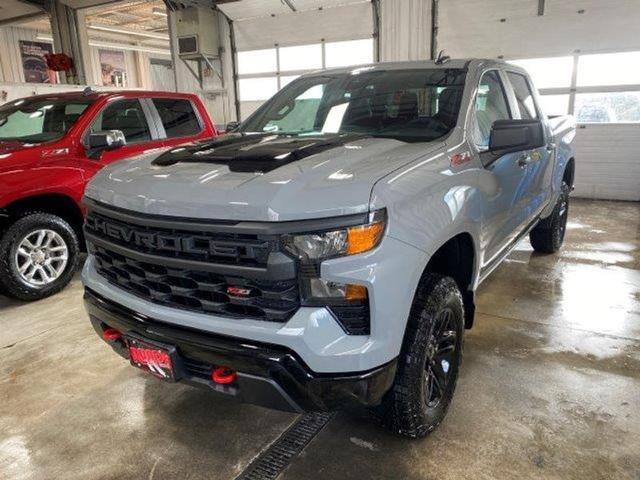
x=503, y=179
x=130, y=117
x=538, y=167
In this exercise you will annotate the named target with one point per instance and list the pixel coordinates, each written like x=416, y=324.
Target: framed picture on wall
x=33, y=63
x=113, y=69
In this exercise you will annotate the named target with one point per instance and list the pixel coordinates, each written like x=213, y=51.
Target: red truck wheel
x=39, y=255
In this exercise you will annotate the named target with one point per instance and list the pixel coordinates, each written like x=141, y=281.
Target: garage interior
x=550, y=382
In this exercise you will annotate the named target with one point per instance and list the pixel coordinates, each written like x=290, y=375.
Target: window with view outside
x=524, y=97
x=408, y=105
x=40, y=119
x=608, y=107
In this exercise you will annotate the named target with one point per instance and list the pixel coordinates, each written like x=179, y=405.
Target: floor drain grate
x=269, y=464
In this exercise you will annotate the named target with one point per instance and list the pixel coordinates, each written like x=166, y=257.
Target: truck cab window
x=178, y=117
x=524, y=97
x=491, y=105
x=126, y=116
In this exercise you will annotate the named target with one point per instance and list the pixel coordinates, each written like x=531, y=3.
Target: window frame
x=158, y=119
x=148, y=116
x=507, y=93
x=529, y=85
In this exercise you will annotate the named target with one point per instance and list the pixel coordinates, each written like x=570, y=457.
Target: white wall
x=405, y=30
x=608, y=162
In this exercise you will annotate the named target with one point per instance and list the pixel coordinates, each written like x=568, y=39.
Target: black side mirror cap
x=509, y=136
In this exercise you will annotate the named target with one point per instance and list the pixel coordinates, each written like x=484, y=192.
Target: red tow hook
x=223, y=375
x=111, y=335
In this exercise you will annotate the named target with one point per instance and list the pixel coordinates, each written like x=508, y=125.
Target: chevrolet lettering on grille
x=190, y=244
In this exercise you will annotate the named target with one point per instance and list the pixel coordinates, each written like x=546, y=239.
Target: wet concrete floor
x=549, y=388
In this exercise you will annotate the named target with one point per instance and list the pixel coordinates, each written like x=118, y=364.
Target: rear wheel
x=429, y=361
x=38, y=256
x=548, y=235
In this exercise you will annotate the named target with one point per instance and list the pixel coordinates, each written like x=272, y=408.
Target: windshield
x=410, y=105
x=40, y=119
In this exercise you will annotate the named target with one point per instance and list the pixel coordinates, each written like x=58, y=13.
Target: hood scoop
x=254, y=153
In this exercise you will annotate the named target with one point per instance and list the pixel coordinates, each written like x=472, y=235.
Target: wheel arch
x=58, y=204
x=570, y=172
x=457, y=258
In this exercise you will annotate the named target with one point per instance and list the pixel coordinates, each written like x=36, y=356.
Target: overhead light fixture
x=115, y=46
x=158, y=36
x=161, y=12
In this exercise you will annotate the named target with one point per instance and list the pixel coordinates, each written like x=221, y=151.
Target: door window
x=491, y=105
x=178, y=117
x=524, y=97
x=126, y=116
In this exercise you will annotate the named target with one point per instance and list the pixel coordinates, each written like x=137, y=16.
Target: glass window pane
x=609, y=69
x=526, y=104
x=552, y=72
x=126, y=116
x=257, y=88
x=300, y=115
x=257, y=61
x=304, y=57
x=554, y=104
x=353, y=52
x=177, y=116
x=608, y=107
x=491, y=105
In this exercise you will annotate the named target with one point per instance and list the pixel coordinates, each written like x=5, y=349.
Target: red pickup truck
x=50, y=147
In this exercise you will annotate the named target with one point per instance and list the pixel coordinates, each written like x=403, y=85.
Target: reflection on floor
x=550, y=387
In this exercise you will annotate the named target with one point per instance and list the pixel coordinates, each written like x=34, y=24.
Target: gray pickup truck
x=326, y=252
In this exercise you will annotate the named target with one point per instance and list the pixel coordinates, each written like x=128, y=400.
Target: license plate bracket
x=158, y=359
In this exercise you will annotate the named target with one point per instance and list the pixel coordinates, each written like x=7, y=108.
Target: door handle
x=524, y=160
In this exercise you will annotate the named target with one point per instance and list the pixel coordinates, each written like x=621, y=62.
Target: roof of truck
x=95, y=95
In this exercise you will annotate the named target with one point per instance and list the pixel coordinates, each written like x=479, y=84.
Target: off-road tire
x=404, y=408
x=548, y=235
x=10, y=281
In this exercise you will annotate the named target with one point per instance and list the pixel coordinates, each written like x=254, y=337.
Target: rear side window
x=491, y=105
x=178, y=117
x=524, y=97
x=126, y=116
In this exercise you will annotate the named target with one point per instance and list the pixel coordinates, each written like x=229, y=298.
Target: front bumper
x=267, y=375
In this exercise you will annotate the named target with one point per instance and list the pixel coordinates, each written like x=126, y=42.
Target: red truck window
x=178, y=117
x=126, y=116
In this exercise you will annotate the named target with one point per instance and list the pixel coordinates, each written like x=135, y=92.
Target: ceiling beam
x=541, y=5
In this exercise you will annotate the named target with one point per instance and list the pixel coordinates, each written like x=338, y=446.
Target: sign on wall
x=112, y=65
x=33, y=63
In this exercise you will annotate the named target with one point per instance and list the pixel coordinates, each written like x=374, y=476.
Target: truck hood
x=257, y=177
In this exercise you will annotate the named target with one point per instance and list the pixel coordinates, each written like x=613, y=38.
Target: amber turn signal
x=364, y=238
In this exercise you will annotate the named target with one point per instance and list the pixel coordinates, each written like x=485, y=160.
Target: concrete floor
x=550, y=387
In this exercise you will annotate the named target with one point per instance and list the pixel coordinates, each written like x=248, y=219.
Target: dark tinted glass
x=126, y=116
x=178, y=117
x=409, y=105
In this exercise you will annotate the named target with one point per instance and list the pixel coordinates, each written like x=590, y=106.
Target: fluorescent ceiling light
x=116, y=46
x=161, y=12
x=159, y=36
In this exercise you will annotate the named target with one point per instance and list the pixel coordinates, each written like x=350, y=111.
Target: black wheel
x=548, y=235
x=429, y=361
x=38, y=256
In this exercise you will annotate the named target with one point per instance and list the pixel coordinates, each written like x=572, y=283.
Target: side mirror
x=106, y=140
x=516, y=135
x=231, y=126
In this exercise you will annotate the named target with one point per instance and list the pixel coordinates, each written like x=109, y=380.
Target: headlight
x=349, y=303
x=315, y=247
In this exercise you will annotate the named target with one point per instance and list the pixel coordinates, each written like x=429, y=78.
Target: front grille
x=191, y=265
x=198, y=291
x=222, y=248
